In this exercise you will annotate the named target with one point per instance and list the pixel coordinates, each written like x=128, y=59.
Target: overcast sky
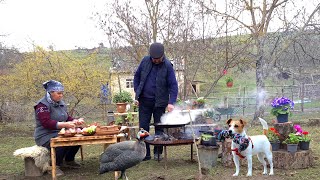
x=65, y=24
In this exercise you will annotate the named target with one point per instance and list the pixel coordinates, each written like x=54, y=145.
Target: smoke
x=262, y=96
x=180, y=117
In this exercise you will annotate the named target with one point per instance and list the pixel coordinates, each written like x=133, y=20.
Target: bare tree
x=261, y=14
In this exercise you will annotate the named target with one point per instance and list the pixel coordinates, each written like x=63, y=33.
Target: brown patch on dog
x=228, y=121
x=243, y=122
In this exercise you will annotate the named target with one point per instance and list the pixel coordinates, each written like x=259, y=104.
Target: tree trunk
x=260, y=97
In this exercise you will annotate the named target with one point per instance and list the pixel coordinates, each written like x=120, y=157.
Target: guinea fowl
x=124, y=155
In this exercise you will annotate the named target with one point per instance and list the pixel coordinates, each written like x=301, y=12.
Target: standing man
x=156, y=89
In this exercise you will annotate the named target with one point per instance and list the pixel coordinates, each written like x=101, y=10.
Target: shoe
x=158, y=158
x=147, y=158
x=59, y=172
x=71, y=164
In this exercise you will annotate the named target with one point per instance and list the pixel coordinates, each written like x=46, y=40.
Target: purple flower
x=283, y=101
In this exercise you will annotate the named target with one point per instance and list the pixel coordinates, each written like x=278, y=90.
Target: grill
x=172, y=142
x=179, y=139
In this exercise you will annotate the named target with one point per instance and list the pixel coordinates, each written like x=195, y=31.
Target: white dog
x=244, y=146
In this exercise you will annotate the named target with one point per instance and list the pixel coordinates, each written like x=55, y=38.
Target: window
x=129, y=83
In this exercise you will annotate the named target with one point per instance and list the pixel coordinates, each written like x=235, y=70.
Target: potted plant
x=121, y=99
x=199, y=103
x=281, y=108
x=229, y=81
x=292, y=142
x=304, y=137
x=274, y=140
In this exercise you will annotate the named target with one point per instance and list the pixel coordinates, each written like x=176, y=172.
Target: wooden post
x=226, y=158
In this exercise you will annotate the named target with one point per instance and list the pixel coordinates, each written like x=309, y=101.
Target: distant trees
x=82, y=78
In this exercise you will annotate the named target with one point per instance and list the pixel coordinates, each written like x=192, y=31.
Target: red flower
x=272, y=129
x=305, y=132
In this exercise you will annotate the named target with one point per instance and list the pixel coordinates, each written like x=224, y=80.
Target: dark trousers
x=67, y=153
x=146, y=110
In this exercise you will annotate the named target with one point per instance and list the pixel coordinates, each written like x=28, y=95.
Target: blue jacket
x=159, y=79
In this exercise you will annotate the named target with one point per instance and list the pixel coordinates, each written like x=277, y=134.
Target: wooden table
x=77, y=140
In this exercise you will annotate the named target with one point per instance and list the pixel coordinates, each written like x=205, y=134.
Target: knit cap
x=156, y=50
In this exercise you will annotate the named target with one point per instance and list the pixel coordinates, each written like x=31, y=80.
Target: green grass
x=16, y=136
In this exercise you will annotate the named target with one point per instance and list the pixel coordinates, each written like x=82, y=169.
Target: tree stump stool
x=284, y=129
x=36, y=160
x=30, y=168
x=299, y=160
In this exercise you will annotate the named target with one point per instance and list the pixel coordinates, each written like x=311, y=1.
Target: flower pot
x=275, y=146
x=200, y=106
x=304, y=145
x=282, y=118
x=229, y=84
x=292, y=148
x=121, y=107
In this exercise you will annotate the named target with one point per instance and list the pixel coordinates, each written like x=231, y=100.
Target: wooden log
x=227, y=157
x=31, y=170
x=284, y=129
x=299, y=160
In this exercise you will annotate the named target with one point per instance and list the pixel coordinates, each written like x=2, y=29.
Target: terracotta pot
x=121, y=107
x=229, y=84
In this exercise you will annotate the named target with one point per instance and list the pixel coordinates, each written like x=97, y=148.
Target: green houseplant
x=199, y=103
x=292, y=139
x=121, y=98
x=229, y=81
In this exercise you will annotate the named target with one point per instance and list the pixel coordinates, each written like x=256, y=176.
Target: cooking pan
x=160, y=125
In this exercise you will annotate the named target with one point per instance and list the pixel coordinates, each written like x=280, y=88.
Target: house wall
x=114, y=85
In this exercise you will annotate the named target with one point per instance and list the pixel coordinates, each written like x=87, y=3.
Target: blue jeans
x=67, y=153
x=146, y=110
